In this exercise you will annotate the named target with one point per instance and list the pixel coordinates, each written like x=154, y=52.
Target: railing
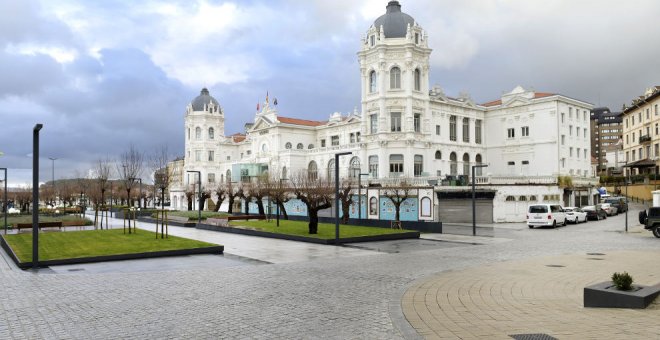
x=644, y=139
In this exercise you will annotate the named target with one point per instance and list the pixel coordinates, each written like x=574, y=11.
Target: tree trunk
x=260, y=206
x=247, y=207
x=313, y=221
x=217, y=206
x=283, y=211
x=190, y=203
x=345, y=207
x=397, y=208
x=230, y=209
x=202, y=202
x=130, y=202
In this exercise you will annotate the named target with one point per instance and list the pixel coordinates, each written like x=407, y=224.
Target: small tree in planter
x=622, y=281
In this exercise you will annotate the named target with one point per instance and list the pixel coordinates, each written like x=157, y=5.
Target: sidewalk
x=538, y=296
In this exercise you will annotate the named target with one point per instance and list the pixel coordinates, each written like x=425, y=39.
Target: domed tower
x=204, y=128
x=394, y=68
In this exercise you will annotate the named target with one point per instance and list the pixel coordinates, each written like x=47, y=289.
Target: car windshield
x=589, y=207
x=569, y=209
x=611, y=200
x=538, y=209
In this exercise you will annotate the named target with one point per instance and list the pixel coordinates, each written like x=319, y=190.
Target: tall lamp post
x=278, y=200
x=360, y=194
x=53, y=159
x=337, y=194
x=5, y=199
x=474, y=198
x=35, y=195
x=199, y=184
x=625, y=179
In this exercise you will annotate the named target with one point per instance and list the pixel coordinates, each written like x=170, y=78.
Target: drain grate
x=532, y=336
x=76, y=269
x=596, y=254
x=555, y=265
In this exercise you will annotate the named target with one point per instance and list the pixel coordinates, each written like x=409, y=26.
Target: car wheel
x=554, y=224
x=656, y=232
x=530, y=226
x=565, y=223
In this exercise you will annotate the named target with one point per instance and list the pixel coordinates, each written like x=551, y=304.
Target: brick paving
x=324, y=297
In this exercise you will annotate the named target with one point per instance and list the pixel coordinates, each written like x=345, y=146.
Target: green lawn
x=87, y=243
x=193, y=215
x=325, y=230
x=66, y=219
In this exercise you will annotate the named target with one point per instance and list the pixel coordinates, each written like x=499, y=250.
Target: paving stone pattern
x=339, y=297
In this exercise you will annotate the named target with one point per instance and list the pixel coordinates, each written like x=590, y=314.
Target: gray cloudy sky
x=101, y=75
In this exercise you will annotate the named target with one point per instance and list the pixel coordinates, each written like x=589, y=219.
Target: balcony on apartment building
x=644, y=139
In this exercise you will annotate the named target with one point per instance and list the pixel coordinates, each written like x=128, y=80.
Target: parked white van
x=541, y=215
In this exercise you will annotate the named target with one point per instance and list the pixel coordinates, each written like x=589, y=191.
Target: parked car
x=621, y=203
x=539, y=215
x=13, y=211
x=575, y=215
x=609, y=209
x=651, y=218
x=594, y=212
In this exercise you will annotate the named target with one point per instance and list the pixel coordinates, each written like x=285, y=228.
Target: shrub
x=622, y=281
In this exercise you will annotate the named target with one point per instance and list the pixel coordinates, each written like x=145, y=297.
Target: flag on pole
x=266, y=97
x=275, y=101
x=257, y=106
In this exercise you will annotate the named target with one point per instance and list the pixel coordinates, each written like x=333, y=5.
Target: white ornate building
x=407, y=130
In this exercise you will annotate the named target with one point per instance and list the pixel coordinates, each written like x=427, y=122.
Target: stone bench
x=246, y=217
x=220, y=222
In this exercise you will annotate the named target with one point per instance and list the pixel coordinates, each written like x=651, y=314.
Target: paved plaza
x=463, y=287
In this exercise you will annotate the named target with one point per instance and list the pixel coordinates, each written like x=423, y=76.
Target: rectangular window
x=570, y=113
x=437, y=130
x=395, y=123
x=334, y=140
x=396, y=164
x=323, y=143
x=357, y=137
x=585, y=153
x=452, y=128
x=417, y=122
x=585, y=133
x=570, y=130
x=648, y=113
x=477, y=131
x=211, y=178
x=570, y=152
x=562, y=117
x=419, y=165
x=352, y=137
x=627, y=156
x=656, y=150
x=373, y=166
x=198, y=155
x=633, y=155
x=511, y=133
x=525, y=131
x=374, y=123
x=655, y=108
x=577, y=153
x=577, y=132
x=563, y=139
x=633, y=120
x=211, y=156
x=466, y=130
x=372, y=40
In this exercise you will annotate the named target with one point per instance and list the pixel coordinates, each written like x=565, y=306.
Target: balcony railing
x=644, y=139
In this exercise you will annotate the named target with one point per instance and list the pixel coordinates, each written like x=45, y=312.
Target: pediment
x=261, y=123
x=515, y=101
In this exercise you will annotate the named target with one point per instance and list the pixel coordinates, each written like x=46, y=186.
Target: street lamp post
x=337, y=194
x=5, y=199
x=278, y=200
x=199, y=183
x=53, y=173
x=35, y=195
x=360, y=194
x=474, y=198
x=625, y=179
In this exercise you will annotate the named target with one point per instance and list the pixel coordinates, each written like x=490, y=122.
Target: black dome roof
x=394, y=22
x=203, y=99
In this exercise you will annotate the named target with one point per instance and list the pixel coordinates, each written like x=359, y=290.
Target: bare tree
x=317, y=194
x=397, y=195
x=277, y=192
x=190, y=195
x=163, y=174
x=102, y=175
x=23, y=197
x=257, y=189
x=345, y=197
x=129, y=168
x=233, y=192
x=221, y=190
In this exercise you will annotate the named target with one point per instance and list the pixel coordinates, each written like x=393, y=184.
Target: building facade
x=409, y=130
x=641, y=133
x=606, y=136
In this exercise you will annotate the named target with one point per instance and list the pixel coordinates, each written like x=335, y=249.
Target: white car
x=609, y=209
x=545, y=215
x=575, y=215
x=13, y=211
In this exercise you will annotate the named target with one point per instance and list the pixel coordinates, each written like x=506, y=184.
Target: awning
x=642, y=163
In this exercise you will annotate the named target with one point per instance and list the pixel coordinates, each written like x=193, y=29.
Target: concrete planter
x=606, y=295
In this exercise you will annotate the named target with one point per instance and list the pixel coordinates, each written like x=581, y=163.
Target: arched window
x=300, y=146
x=311, y=146
x=331, y=169
x=532, y=198
x=372, y=81
x=373, y=206
x=466, y=164
x=438, y=154
x=228, y=176
x=453, y=164
x=395, y=78
x=418, y=80
x=354, y=168
x=287, y=145
x=510, y=199
x=198, y=133
x=373, y=166
x=522, y=198
x=425, y=207
x=284, y=172
x=312, y=171
x=477, y=159
x=211, y=133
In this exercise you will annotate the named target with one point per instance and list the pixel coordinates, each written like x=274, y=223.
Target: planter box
x=606, y=295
